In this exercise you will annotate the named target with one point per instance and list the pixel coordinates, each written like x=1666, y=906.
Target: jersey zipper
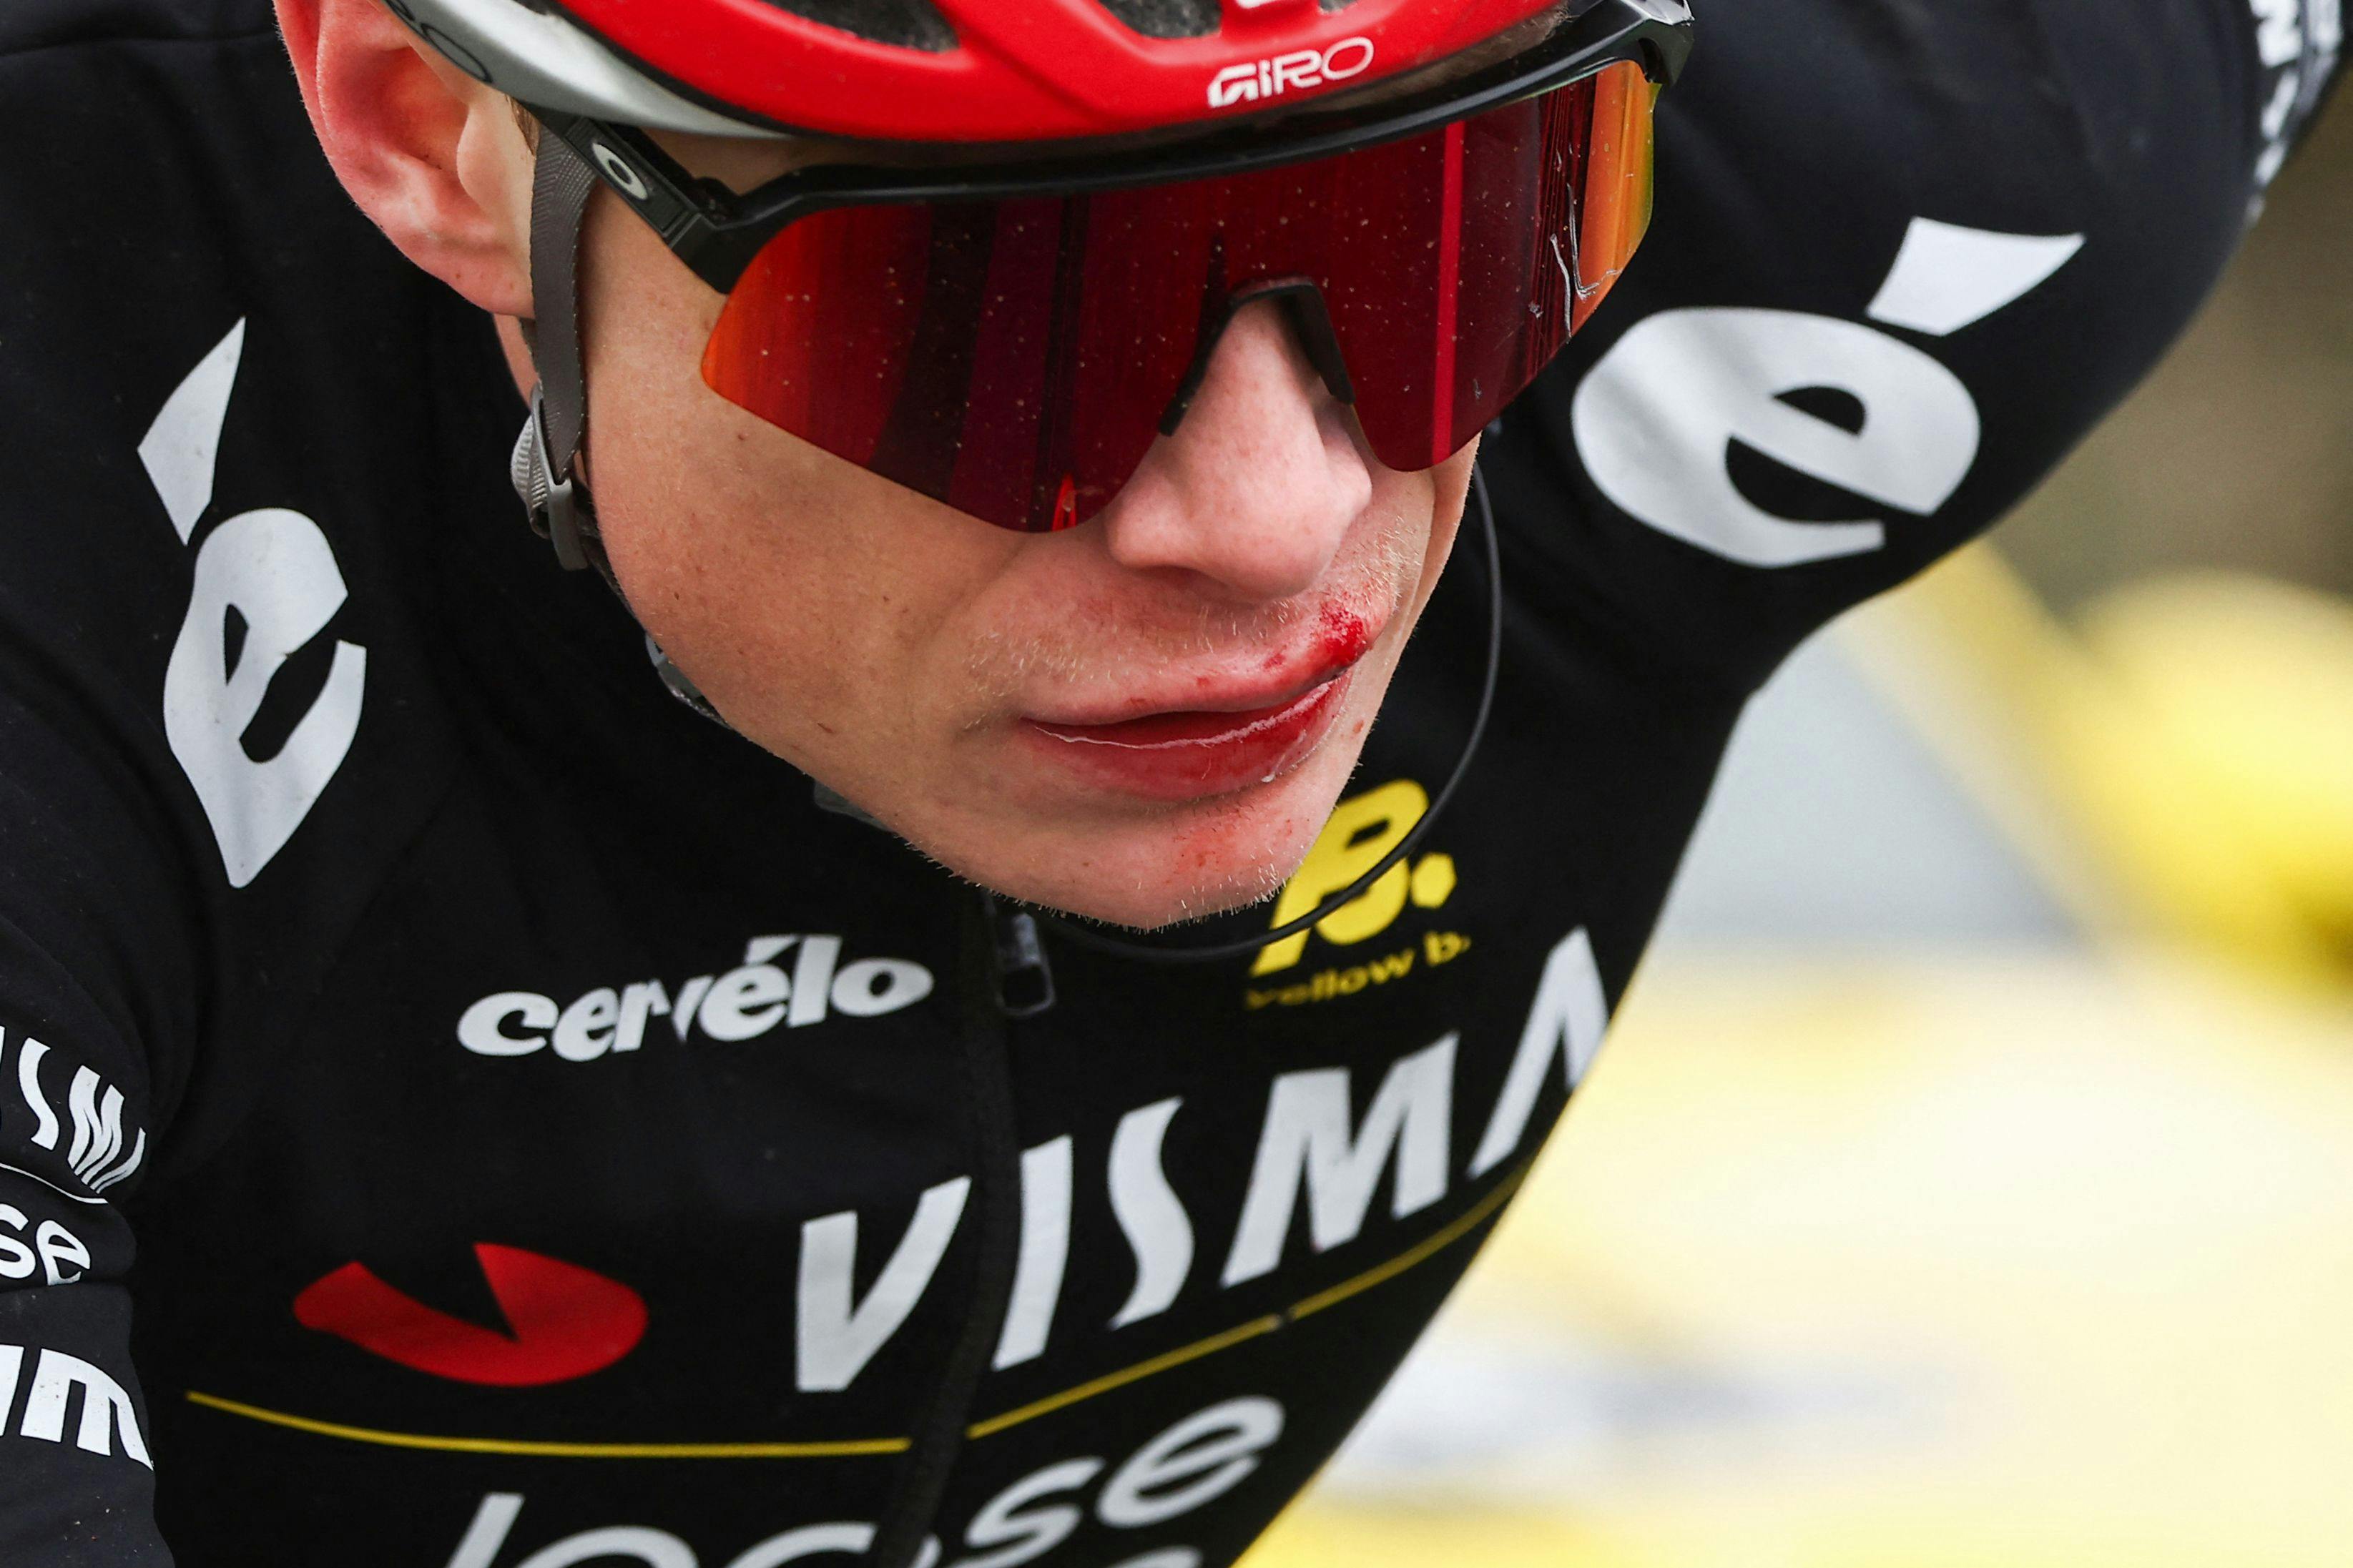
x=1003, y=975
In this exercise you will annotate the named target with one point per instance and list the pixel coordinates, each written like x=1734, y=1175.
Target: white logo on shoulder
x=741, y=1005
x=1254, y=81
x=273, y=571
x=1656, y=420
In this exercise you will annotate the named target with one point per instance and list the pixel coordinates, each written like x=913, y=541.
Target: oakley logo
x=1254, y=81
x=626, y=180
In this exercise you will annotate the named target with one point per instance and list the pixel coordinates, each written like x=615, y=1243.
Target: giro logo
x=564, y=1322
x=1252, y=82
x=1657, y=419
x=266, y=586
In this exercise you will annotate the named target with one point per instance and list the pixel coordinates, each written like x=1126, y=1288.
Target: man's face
x=1144, y=719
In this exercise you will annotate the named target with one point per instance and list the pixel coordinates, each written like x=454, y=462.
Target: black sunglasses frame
x=717, y=233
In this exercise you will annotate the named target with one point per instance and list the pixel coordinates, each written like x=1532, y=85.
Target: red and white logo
x=1253, y=81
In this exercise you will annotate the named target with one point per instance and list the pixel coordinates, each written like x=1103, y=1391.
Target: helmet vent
x=910, y=23
x=1166, y=18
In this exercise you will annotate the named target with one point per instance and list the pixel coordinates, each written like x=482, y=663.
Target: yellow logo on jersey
x=1363, y=829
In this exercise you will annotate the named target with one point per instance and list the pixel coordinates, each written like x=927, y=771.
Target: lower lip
x=1187, y=756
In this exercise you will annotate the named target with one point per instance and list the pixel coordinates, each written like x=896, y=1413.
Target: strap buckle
x=558, y=508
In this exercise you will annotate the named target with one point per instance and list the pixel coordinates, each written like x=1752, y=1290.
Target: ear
x=435, y=157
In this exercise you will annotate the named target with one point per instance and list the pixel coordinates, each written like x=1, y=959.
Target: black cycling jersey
x=551, y=1138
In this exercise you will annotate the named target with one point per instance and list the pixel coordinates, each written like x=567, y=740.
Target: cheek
x=1441, y=496
x=752, y=576
x=1417, y=517
x=806, y=596
x=717, y=526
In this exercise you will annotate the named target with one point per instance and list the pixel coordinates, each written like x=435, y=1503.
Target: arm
x=1906, y=256
x=86, y=911
x=76, y=1480
x=101, y=959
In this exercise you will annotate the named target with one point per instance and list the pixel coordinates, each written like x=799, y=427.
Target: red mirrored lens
x=1015, y=359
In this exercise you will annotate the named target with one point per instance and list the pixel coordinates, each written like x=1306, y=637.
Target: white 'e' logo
x=274, y=569
x=1655, y=419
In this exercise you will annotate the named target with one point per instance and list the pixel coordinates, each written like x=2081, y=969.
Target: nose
x=1253, y=494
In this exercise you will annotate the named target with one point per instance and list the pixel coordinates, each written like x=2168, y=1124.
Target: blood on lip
x=1341, y=638
x=1182, y=753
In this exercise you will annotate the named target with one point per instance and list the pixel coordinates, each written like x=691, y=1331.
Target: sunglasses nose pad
x=1311, y=324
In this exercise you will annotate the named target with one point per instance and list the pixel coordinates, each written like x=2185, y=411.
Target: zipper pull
x=1025, y=981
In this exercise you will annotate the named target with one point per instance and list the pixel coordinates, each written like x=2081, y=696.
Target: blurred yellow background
x=1970, y=1177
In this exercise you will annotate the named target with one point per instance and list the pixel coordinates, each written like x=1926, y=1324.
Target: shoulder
x=169, y=317
x=1906, y=255
x=218, y=412
x=29, y=24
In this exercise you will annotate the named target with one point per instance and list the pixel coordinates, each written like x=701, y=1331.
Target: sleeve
x=76, y=1134
x=104, y=961
x=1904, y=256
x=77, y=1481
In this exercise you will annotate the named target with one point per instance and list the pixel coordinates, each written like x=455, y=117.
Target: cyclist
x=888, y=1121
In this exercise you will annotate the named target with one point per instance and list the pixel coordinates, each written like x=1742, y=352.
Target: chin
x=1163, y=867
x=1174, y=901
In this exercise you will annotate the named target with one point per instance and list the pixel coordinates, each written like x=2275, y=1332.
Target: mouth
x=1186, y=754
x=1222, y=736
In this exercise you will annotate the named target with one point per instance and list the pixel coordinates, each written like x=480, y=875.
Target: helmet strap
x=547, y=454
x=549, y=450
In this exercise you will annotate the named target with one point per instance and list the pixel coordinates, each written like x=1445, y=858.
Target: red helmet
x=945, y=70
